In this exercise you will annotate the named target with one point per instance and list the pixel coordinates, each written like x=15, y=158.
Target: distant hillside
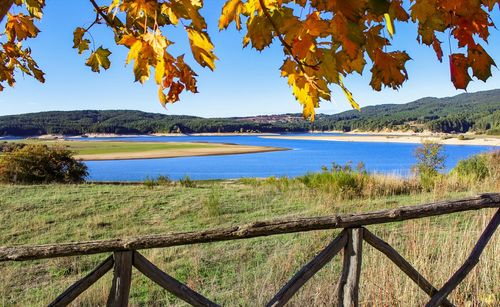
x=462, y=113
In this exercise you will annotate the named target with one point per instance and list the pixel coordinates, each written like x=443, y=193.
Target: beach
x=397, y=138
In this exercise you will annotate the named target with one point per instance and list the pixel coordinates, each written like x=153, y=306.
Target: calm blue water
x=304, y=156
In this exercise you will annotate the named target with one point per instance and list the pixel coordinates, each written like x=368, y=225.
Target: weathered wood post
x=122, y=276
x=83, y=284
x=351, y=269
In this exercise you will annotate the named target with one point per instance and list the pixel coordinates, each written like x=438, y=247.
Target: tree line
x=479, y=112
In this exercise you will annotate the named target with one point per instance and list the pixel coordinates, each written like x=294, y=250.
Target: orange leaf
x=458, y=70
x=436, y=44
x=480, y=61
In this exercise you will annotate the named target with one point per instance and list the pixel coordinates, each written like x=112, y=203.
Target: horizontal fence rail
x=252, y=230
x=350, y=241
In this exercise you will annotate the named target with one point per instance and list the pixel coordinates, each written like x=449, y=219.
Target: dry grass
x=238, y=273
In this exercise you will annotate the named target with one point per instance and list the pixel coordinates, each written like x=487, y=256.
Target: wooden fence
x=350, y=239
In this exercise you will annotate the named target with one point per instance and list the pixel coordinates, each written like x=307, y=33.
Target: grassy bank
x=119, y=150
x=238, y=273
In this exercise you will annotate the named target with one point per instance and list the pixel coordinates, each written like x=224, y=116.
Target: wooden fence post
x=469, y=264
x=308, y=271
x=402, y=264
x=349, y=281
x=120, y=289
x=83, y=284
x=169, y=283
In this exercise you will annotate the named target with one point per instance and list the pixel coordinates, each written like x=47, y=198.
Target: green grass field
x=108, y=147
x=236, y=273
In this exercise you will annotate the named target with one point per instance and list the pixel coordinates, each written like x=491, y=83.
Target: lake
x=304, y=156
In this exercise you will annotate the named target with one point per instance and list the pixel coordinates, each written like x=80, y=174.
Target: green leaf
x=98, y=59
x=35, y=7
x=78, y=41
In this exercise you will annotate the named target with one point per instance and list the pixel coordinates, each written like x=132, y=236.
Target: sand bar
x=218, y=149
x=126, y=150
x=479, y=141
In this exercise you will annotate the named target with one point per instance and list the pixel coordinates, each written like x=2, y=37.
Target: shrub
x=281, y=183
x=474, y=168
x=430, y=160
x=160, y=180
x=478, y=169
x=462, y=137
x=187, y=182
x=341, y=180
x=10, y=146
x=163, y=180
x=493, y=162
x=34, y=163
x=150, y=182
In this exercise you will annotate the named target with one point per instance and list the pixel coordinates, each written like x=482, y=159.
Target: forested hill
x=465, y=112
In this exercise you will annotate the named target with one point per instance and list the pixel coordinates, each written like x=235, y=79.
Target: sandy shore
x=112, y=135
x=232, y=134
x=412, y=139
x=223, y=149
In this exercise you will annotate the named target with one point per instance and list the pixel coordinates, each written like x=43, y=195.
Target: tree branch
x=5, y=6
x=104, y=16
x=93, y=23
x=280, y=36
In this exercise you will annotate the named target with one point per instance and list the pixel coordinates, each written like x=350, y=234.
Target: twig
x=5, y=7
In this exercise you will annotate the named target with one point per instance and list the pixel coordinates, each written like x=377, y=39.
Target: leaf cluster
x=18, y=28
x=322, y=41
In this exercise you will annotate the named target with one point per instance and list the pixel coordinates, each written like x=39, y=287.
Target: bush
x=430, y=160
x=340, y=180
x=33, y=163
x=462, y=137
x=10, y=146
x=187, y=182
x=163, y=180
x=493, y=162
x=474, y=168
x=160, y=180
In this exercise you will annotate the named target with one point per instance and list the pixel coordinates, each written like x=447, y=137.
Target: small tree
x=430, y=160
x=34, y=163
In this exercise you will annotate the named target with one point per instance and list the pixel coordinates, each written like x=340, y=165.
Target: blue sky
x=245, y=82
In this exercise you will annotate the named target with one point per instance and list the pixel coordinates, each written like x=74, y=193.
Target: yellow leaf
x=157, y=41
x=189, y=10
x=305, y=94
x=389, y=24
x=348, y=94
x=165, y=9
x=159, y=71
x=197, y=3
x=231, y=12
x=113, y=5
x=162, y=96
x=127, y=40
x=134, y=51
x=20, y=27
x=98, y=59
x=35, y=7
x=202, y=48
x=140, y=8
x=259, y=32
